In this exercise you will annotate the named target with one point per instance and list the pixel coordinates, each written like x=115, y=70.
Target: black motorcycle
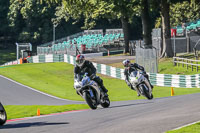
x=3, y=116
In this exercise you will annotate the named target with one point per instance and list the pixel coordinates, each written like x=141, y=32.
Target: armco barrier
x=168, y=80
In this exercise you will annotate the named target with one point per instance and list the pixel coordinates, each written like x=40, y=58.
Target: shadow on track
x=34, y=124
x=125, y=105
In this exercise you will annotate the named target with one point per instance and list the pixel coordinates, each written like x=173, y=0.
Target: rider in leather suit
x=130, y=67
x=84, y=66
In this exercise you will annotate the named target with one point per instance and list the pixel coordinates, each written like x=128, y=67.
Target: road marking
x=37, y=90
x=53, y=114
x=186, y=125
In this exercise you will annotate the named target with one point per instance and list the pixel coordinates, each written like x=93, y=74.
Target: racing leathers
x=133, y=67
x=89, y=68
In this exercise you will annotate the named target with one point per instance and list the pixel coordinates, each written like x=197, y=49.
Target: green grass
x=57, y=79
x=7, y=55
x=20, y=111
x=166, y=67
x=52, y=78
x=195, y=128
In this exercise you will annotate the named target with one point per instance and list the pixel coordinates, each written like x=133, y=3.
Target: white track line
x=37, y=90
x=186, y=125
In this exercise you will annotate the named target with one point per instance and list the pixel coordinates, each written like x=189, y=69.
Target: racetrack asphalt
x=13, y=93
x=136, y=116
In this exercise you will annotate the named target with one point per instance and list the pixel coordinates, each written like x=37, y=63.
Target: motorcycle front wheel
x=89, y=100
x=3, y=116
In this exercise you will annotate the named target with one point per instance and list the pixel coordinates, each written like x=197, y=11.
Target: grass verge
x=57, y=79
x=165, y=66
x=21, y=111
x=195, y=128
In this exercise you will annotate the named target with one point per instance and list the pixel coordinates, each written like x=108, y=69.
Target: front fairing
x=133, y=77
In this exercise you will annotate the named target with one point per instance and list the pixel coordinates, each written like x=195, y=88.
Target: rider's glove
x=143, y=72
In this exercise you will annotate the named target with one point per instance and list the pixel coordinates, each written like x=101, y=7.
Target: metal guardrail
x=186, y=62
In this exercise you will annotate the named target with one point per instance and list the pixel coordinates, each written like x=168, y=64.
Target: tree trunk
x=146, y=23
x=166, y=36
x=125, y=27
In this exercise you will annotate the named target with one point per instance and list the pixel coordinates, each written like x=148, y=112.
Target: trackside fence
x=167, y=80
x=188, y=63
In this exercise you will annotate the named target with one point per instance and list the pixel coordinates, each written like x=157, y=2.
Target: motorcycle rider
x=130, y=67
x=84, y=66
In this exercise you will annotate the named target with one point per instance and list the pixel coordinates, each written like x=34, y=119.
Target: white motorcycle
x=3, y=116
x=91, y=92
x=141, y=84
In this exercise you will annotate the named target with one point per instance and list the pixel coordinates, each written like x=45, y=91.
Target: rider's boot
x=151, y=86
x=132, y=88
x=104, y=94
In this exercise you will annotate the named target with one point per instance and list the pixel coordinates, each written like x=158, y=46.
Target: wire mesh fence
x=147, y=57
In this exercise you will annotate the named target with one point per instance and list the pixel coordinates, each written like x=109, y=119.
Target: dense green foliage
x=30, y=20
x=7, y=55
x=182, y=11
x=33, y=20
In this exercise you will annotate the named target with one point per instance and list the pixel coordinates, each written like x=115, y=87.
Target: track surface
x=13, y=93
x=138, y=116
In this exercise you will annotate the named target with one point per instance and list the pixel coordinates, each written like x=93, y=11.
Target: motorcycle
x=141, y=84
x=3, y=116
x=91, y=92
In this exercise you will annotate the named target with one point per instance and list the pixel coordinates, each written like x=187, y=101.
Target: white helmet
x=126, y=63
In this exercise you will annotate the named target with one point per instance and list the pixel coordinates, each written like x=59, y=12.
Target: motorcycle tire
x=89, y=101
x=105, y=103
x=3, y=115
x=146, y=94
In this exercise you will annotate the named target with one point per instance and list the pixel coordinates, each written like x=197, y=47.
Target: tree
x=166, y=36
x=146, y=22
x=180, y=12
x=4, y=5
x=92, y=10
x=31, y=20
x=184, y=12
x=4, y=28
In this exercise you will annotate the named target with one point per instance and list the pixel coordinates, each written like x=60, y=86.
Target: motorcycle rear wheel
x=147, y=95
x=3, y=115
x=89, y=101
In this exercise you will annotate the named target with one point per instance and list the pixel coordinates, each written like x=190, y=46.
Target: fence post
x=192, y=66
x=182, y=63
x=174, y=59
x=187, y=64
x=178, y=62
